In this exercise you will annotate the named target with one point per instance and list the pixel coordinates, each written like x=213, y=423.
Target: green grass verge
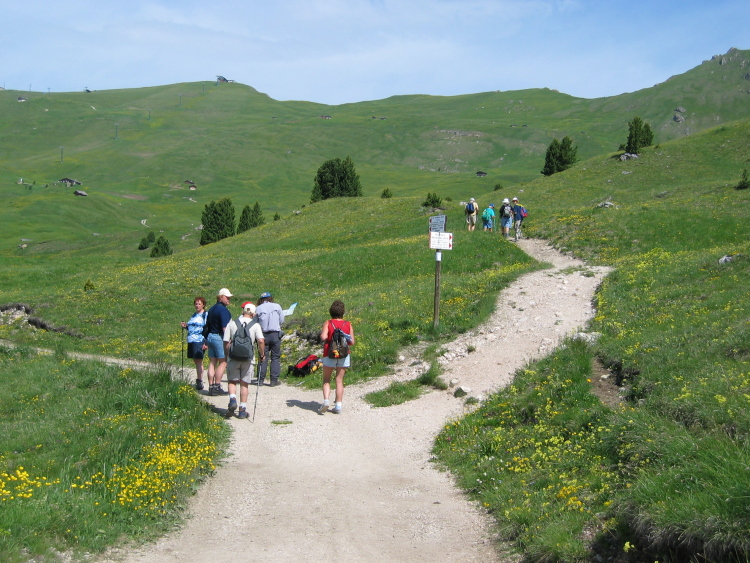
x=91, y=455
x=665, y=477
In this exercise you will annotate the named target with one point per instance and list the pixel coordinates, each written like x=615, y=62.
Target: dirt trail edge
x=359, y=486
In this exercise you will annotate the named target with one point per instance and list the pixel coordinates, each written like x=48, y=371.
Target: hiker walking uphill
x=241, y=337
x=471, y=214
x=195, y=340
x=488, y=218
x=506, y=217
x=216, y=323
x=519, y=214
x=337, y=335
x=270, y=317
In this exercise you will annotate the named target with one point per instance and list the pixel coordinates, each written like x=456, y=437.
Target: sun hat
x=248, y=307
x=225, y=292
x=471, y=199
x=515, y=199
x=506, y=200
x=265, y=295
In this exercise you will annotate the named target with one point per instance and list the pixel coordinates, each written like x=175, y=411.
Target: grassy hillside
x=234, y=141
x=664, y=476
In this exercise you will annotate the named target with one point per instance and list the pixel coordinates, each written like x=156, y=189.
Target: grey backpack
x=241, y=347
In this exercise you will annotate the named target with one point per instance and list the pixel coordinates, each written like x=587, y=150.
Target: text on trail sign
x=437, y=223
x=441, y=241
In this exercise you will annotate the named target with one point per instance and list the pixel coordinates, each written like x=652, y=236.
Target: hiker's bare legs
x=216, y=368
x=340, y=372
x=326, y=382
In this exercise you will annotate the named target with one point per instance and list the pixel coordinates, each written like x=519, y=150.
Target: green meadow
x=662, y=477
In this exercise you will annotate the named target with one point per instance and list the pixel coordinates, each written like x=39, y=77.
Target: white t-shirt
x=256, y=333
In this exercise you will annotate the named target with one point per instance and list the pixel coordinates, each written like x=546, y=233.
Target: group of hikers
x=231, y=346
x=511, y=214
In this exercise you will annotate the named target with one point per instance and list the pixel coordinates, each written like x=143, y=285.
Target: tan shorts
x=240, y=371
x=471, y=219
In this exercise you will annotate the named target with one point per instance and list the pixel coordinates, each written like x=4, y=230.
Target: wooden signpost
x=439, y=240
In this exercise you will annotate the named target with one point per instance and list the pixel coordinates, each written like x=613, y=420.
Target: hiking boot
x=336, y=410
x=219, y=391
x=211, y=390
x=199, y=385
x=323, y=408
x=275, y=383
x=243, y=413
x=232, y=407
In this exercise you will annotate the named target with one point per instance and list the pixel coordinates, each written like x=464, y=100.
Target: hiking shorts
x=240, y=371
x=487, y=223
x=507, y=222
x=337, y=362
x=195, y=350
x=471, y=219
x=215, y=346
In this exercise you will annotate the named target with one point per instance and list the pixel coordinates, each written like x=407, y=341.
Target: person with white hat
x=216, y=323
x=240, y=369
x=506, y=217
x=471, y=214
x=519, y=212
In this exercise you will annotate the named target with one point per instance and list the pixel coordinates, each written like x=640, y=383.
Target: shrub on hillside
x=336, y=178
x=386, y=193
x=161, y=248
x=744, y=182
x=432, y=200
x=639, y=136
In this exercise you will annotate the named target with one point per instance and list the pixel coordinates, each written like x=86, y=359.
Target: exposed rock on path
x=360, y=486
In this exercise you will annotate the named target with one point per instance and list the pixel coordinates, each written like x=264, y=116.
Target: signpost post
x=439, y=240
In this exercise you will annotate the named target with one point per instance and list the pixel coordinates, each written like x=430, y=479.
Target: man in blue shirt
x=270, y=317
x=216, y=323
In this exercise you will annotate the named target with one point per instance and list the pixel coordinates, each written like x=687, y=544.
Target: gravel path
x=360, y=486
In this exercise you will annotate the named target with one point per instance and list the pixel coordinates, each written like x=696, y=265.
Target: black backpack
x=242, y=344
x=339, y=348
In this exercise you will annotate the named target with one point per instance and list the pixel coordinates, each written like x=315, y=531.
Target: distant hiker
x=271, y=317
x=240, y=343
x=471, y=214
x=506, y=217
x=519, y=214
x=488, y=217
x=332, y=358
x=216, y=323
x=195, y=341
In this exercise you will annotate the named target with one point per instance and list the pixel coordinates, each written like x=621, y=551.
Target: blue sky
x=338, y=51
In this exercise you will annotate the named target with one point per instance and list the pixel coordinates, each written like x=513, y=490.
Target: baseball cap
x=225, y=292
x=265, y=294
x=492, y=205
x=248, y=307
x=506, y=200
x=471, y=199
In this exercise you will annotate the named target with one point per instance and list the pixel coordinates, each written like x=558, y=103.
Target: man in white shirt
x=241, y=369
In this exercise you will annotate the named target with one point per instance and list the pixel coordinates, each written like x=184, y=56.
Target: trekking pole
x=257, y=388
x=182, y=355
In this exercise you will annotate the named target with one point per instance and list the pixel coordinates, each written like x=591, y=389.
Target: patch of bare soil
x=360, y=486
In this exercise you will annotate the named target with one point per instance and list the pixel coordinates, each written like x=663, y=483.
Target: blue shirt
x=270, y=316
x=195, y=327
x=218, y=318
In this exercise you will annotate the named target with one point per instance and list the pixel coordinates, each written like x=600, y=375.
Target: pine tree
x=256, y=216
x=386, y=194
x=744, y=181
x=568, y=154
x=276, y=216
x=218, y=221
x=244, y=223
x=161, y=248
x=552, y=158
x=640, y=135
x=151, y=237
x=336, y=178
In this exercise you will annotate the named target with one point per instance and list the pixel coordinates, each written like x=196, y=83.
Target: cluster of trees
x=336, y=178
x=161, y=245
x=218, y=220
x=560, y=156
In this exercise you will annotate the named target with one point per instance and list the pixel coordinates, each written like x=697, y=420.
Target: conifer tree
x=552, y=158
x=256, y=216
x=336, y=178
x=244, y=223
x=640, y=135
x=218, y=221
x=161, y=248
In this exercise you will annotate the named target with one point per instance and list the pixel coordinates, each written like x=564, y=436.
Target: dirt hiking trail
x=360, y=486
